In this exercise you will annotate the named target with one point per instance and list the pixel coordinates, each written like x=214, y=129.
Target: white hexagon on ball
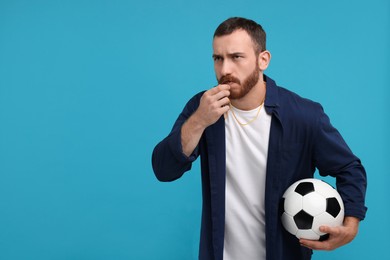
x=289, y=224
x=328, y=219
x=293, y=203
x=314, y=203
x=307, y=234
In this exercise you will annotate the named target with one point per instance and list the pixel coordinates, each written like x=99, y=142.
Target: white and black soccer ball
x=309, y=204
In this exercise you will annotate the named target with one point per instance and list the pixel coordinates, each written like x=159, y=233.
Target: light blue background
x=87, y=88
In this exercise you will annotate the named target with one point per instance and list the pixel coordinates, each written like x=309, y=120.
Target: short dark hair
x=254, y=30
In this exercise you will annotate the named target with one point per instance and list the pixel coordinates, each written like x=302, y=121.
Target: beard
x=248, y=83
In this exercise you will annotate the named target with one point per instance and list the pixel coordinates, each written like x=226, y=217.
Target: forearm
x=353, y=224
x=191, y=132
x=174, y=155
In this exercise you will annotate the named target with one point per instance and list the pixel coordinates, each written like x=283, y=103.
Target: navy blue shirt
x=301, y=140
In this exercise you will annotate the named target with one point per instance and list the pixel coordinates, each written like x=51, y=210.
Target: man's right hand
x=213, y=104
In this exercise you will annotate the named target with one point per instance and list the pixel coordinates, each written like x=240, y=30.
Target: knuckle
x=207, y=99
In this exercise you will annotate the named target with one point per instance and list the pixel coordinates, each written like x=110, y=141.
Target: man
x=255, y=139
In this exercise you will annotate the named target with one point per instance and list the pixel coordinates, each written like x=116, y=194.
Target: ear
x=264, y=59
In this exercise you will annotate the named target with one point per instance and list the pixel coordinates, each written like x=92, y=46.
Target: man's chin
x=235, y=95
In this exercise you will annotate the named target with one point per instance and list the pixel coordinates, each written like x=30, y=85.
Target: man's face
x=235, y=63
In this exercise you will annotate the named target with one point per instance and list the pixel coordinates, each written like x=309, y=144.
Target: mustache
x=228, y=79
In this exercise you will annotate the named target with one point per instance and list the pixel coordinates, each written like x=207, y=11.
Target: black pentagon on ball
x=281, y=206
x=303, y=220
x=304, y=188
x=333, y=206
x=324, y=237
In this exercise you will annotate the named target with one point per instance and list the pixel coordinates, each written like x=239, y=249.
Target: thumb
x=325, y=229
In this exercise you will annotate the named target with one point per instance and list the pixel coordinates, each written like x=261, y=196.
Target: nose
x=226, y=67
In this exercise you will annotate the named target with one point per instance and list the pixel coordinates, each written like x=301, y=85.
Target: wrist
x=351, y=221
x=196, y=122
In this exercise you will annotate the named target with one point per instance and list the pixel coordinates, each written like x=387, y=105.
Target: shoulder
x=290, y=99
x=295, y=106
x=299, y=116
x=196, y=98
x=288, y=102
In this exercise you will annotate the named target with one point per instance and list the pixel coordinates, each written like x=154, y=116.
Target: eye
x=217, y=58
x=237, y=57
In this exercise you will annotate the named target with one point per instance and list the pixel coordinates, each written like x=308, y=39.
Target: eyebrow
x=236, y=53
x=230, y=54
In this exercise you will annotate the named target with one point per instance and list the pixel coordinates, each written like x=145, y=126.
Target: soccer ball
x=309, y=204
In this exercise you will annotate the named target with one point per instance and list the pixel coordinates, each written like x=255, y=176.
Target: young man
x=255, y=139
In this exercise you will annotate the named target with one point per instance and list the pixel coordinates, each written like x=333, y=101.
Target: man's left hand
x=338, y=236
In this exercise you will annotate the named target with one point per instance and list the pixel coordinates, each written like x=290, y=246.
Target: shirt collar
x=272, y=95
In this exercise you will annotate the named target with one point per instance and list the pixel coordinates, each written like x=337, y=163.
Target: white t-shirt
x=246, y=163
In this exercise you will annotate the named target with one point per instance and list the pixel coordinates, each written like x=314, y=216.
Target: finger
x=218, y=88
x=314, y=245
x=223, y=102
x=224, y=109
x=224, y=86
x=325, y=229
x=329, y=230
x=222, y=94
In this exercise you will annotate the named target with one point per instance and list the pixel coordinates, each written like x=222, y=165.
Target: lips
x=231, y=84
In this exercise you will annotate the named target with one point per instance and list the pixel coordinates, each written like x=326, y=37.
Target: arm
x=333, y=157
x=174, y=155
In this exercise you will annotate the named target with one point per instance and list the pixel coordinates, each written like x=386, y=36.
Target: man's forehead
x=238, y=41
